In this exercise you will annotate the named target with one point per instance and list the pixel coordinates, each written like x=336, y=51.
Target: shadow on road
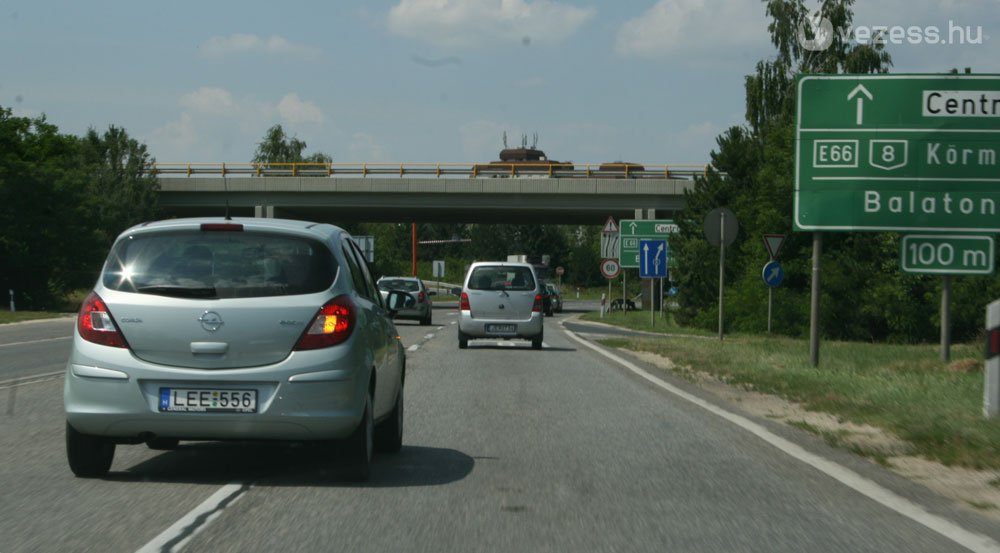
x=295, y=465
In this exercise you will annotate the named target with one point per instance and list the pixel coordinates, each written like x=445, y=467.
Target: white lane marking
x=30, y=379
x=428, y=336
x=545, y=345
x=178, y=535
x=42, y=341
x=414, y=347
x=453, y=322
x=972, y=541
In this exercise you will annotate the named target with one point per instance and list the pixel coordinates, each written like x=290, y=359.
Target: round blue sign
x=773, y=274
x=672, y=291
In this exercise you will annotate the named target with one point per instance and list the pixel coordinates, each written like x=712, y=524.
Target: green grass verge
x=6, y=317
x=640, y=320
x=906, y=389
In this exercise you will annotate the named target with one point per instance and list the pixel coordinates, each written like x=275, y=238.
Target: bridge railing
x=432, y=170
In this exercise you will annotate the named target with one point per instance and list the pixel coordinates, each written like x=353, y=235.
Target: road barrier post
x=991, y=391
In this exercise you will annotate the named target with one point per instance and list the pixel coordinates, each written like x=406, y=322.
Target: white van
x=501, y=300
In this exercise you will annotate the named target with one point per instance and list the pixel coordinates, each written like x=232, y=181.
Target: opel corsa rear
x=501, y=300
x=248, y=329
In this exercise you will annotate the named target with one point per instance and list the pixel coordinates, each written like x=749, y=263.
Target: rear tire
x=360, y=446
x=389, y=434
x=463, y=340
x=426, y=321
x=536, y=342
x=88, y=456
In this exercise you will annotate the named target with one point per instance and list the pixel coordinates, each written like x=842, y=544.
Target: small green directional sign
x=948, y=254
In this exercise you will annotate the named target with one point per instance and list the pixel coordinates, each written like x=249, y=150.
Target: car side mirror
x=397, y=300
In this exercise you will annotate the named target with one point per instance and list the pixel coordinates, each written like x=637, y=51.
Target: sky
x=440, y=81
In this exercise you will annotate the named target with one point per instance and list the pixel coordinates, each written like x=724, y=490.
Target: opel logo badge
x=211, y=321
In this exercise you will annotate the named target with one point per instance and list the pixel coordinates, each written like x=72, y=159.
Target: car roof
x=318, y=230
x=399, y=278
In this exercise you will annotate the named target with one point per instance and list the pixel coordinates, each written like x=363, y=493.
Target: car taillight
x=332, y=325
x=537, y=306
x=464, y=304
x=421, y=297
x=96, y=325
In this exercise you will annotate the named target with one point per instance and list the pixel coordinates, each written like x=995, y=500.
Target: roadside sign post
x=773, y=274
x=947, y=255
x=897, y=153
x=438, y=271
x=610, y=268
x=720, y=229
x=653, y=265
x=11, y=292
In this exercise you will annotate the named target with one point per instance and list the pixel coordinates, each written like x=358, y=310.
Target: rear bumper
x=480, y=328
x=310, y=395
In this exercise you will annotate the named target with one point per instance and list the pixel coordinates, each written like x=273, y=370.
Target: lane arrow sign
x=860, y=89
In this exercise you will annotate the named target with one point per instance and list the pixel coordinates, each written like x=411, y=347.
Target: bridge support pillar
x=263, y=211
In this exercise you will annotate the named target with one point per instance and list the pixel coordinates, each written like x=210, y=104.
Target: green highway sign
x=898, y=153
x=948, y=254
x=631, y=231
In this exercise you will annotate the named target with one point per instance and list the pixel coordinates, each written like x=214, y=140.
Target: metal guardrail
x=435, y=170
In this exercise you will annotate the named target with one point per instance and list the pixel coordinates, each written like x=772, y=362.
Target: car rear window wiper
x=176, y=291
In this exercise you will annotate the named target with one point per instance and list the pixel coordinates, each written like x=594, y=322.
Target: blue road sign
x=773, y=274
x=652, y=258
x=672, y=291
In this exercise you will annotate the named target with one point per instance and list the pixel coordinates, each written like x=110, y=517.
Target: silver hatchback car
x=501, y=300
x=245, y=329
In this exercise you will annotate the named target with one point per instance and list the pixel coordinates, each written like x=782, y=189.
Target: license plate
x=202, y=400
x=501, y=329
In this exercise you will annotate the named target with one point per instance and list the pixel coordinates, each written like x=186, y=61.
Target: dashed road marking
x=414, y=347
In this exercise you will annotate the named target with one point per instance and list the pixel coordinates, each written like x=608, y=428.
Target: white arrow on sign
x=860, y=89
x=656, y=257
x=632, y=226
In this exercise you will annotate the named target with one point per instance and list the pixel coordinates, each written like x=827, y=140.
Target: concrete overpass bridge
x=435, y=193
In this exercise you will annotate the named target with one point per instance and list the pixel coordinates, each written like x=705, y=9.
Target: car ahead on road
x=424, y=308
x=501, y=300
x=234, y=329
x=551, y=299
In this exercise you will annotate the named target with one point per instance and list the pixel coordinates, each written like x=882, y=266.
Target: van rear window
x=194, y=264
x=490, y=277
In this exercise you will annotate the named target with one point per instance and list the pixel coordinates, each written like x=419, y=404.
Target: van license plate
x=501, y=329
x=201, y=400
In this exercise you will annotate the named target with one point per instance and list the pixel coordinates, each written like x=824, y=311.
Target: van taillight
x=96, y=325
x=537, y=306
x=332, y=325
x=464, y=304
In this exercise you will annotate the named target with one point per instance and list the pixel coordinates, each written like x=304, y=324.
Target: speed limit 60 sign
x=610, y=268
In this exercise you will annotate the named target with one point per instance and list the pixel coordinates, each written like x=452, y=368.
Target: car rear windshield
x=398, y=284
x=490, y=277
x=195, y=264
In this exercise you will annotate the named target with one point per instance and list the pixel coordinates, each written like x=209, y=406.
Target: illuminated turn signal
x=332, y=324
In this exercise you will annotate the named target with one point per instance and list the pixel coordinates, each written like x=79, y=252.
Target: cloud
x=364, y=147
x=223, y=46
x=213, y=121
x=294, y=110
x=693, y=28
x=469, y=23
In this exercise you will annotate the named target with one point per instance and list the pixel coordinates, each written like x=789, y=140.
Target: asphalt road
x=505, y=449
